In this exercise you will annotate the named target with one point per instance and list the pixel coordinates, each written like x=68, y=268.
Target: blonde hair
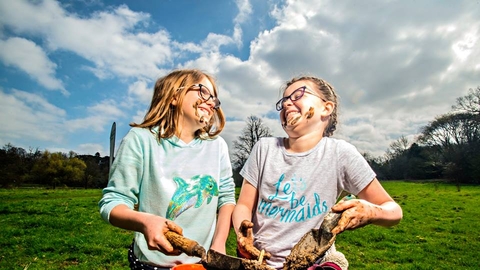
x=165, y=116
x=328, y=92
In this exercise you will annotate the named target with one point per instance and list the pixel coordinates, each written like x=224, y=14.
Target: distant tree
x=92, y=173
x=56, y=168
x=451, y=129
x=254, y=130
x=456, y=137
x=396, y=159
x=377, y=164
x=469, y=103
x=12, y=169
x=96, y=173
x=398, y=147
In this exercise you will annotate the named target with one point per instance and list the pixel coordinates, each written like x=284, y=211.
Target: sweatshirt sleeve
x=227, y=185
x=125, y=176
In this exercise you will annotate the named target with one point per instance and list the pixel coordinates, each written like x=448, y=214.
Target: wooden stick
x=260, y=257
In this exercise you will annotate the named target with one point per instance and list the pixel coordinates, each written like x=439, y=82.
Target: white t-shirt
x=296, y=190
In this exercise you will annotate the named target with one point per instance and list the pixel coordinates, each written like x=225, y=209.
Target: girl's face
x=302, y=107
x=196, y=111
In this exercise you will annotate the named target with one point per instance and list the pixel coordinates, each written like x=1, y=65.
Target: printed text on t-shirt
x=299, y=208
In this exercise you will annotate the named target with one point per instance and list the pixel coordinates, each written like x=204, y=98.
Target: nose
x=213, y=102
x=287, y=102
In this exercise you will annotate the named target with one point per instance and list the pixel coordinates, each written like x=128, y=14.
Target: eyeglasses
x=205, y=94
x=294, y=96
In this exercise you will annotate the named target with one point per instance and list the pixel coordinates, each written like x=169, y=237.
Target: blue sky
x=69, y=69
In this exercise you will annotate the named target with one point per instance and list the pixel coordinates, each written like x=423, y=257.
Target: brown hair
x=328, y=92
x=165, y=116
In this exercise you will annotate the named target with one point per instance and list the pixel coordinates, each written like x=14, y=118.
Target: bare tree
x=456, y=136
x=398, y=147
x=451, y=129
x=469, y=103
x=251, y=133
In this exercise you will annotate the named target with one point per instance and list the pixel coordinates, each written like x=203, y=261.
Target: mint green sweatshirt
x=186, y=183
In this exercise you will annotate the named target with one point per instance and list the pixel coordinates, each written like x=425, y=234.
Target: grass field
x=62, y=229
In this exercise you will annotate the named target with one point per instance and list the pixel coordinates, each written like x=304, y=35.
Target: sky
x=69, y=69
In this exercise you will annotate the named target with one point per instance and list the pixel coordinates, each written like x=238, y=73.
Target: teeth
x=292, y=118
x=204, y=115
x=291, y=115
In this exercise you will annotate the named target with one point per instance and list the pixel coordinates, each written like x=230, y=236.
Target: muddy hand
x=356, y=214
x=168, y=249
x=154, y=229
x=245, y=243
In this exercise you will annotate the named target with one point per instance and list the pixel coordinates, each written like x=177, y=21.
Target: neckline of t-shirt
x=306, y=153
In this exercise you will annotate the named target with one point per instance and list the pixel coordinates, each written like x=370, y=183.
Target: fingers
x=161, y=244
x=246, y=228
x=249, y=251
x=245, y=241
x=356, y=214
x=345, y=203
x=342, y=224
x=244, y=254
x=174, y=227
x=167, y=249
x=155, y=235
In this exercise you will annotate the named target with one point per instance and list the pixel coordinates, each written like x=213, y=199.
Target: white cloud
x=397, y=81
x=30, y=58
x=26, y=115
x=245, y=10
x=99, y=117
x=91, y=149
x=393, y=73
x=140, y=91
x=108, y=39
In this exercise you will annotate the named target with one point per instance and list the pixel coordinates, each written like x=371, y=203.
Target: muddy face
x=203, y=116
x=310, y=112
x=293, y=117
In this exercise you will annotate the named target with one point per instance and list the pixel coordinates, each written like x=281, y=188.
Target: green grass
x=438, y=231
x=62, y=229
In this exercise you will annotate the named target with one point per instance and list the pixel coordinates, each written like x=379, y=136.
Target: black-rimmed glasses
x=205, y=94
x=294, y=96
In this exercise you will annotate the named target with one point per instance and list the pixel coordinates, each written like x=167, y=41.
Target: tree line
x=20, y=167
x=447, y=148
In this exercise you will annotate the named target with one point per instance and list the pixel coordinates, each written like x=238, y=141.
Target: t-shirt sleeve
x=357, y=172
x=250, y=170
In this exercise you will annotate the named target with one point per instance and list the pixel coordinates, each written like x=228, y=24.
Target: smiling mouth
x=292, y=118
x=204, y=115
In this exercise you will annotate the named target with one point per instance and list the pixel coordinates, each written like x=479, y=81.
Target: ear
x=174, y=101
x=328, y=108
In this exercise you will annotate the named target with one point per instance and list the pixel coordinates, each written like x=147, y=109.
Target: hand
x=154, y=229
x=245, y=243
x=356, y=214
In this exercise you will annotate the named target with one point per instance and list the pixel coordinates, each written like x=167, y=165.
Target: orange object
x=189, y=267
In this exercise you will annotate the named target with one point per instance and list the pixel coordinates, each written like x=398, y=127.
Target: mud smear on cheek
x=310, y=113
x=202, y=118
